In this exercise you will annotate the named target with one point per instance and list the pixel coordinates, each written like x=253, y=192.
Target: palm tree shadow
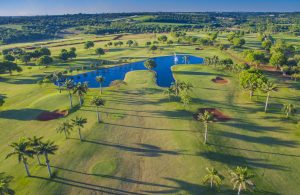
x=84, y=185
x=22, y=114
x=234, y=160
x=143, y=149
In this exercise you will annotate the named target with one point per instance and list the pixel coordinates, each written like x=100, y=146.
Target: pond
x=163, y=70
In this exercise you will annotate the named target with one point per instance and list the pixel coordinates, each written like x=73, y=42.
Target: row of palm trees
x=67, y=126
x=29, y=147
x=180, y=89
x=240, y=178
x=80, y=89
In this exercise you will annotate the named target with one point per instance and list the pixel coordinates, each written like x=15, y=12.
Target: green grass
x=12, y=26
x=147, y=144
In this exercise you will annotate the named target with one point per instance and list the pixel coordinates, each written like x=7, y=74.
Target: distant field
x=13, y=26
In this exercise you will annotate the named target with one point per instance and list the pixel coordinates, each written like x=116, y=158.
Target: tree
x=47, y=148
x=69, y=87
x=205, y=118
x=213, y=36
x=289, y=109
x=72, y=52
x=267, y=44
x=150, y=64
x=162, y=38
x=278, y=59
x=212, y=177
x=1, y=101
x=100, y=52
x=4, y=184
x=130, y=43
x=169, y=91
x=176, y=87
x=153, y=48
x=296, y=76
x=9, y=57
x=241, y=179
x=25, y=58
x=251, y=80
x=100, y=80
x=97, y=101
x=255, y=57
x=10, y=67
x=22, y=150
x=185, y=98
x=238, y=42
x=44, y=51
x=65, y=127
x=44, y=61
x=64, y=55
x=79, y=123
x=268, y=87
x=34, y=143
x=186, y=59
x=58, y=78
x=89, y=44
x=80, y=89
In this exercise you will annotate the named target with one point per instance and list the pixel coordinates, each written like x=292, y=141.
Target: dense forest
x=46, y=27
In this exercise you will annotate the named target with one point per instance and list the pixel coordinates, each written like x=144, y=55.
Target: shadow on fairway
x=271, y=141
x=199, y=73
x=234, y=160
x=87, y=186
x=23, y=114
x=141, y=149
x=123, y=179
x=254, y=151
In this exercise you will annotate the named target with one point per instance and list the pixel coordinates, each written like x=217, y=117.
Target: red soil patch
x=217, y=114
x=220, y=80
x=47, y=116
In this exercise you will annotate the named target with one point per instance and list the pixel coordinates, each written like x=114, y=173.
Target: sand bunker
x=218, y=115
x=220, y=80
x=47, y=116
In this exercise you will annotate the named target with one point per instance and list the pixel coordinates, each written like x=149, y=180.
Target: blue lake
x=163, y=70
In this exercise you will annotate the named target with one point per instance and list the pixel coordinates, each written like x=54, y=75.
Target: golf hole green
x=105, y=167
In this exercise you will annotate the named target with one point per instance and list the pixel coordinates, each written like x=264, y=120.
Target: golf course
x=135, y=136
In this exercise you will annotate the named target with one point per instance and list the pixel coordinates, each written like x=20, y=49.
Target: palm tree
x=100, y=80
x=241, y=179
x=70, y=86
x=65, y=127
x=176, y=86
x=80, y=89
x=169, y=91
x=79, y=123
x=97, y=101
x=212, y=177
x=289, y=109
x=23, y=150
x=58, y=77
x=34, y=143
x=47, y=148
x=186, y=59
x=186, y=86
x=205, y=117
x=268, y=87
x=4, y=184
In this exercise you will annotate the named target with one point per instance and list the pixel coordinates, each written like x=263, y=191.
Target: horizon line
x=140, y=12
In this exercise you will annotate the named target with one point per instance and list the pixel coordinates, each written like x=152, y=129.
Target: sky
x=55, y=7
